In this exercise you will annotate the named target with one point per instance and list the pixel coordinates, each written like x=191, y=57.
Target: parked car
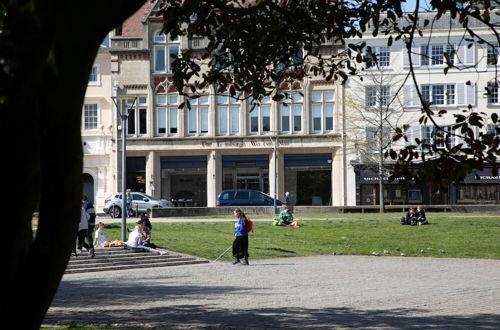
x=245, y=197
x=141, y=203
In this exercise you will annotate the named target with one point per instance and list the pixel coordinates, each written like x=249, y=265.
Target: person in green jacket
x=286, y=217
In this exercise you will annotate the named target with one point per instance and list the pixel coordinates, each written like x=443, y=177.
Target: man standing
x=89, y=208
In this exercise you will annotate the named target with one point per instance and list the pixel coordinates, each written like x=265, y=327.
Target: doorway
x=88, y=186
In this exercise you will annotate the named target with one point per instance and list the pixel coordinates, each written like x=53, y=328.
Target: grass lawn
x=459, y=235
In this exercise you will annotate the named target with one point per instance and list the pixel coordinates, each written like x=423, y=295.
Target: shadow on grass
x=278, y=250
x=115, y=304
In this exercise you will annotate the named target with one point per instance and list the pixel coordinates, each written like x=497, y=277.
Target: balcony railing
x=126, y=43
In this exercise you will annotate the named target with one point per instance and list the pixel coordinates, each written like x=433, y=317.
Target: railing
x=198, y=43
x=129, y=43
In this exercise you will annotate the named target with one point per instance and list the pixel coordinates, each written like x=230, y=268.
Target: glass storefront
x=246, y=172
x=395, y=193
x=308, y=178
x=477, y=193
x=136, y=173
x=184, y=180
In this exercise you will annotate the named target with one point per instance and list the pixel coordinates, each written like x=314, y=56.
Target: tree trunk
x=50, y=46
x=381, y=173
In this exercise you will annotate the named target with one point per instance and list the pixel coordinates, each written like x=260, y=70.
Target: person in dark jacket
x=420, y=215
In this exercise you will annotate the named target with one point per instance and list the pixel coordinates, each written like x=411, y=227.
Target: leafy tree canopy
x=255, y=45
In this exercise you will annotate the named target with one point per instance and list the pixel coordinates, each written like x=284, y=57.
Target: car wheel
x=115, y=212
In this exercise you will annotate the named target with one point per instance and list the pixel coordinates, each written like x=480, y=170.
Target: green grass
x=461, y=236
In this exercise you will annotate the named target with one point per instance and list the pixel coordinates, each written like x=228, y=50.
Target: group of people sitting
x=139, y=238
x=414, y=218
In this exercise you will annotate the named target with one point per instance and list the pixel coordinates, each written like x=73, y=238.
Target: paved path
x=305, y=292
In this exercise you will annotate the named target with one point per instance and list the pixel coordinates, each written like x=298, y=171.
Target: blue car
x=244, y=197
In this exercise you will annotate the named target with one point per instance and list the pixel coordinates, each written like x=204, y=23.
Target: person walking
x=83, y=228
x=240, y=243
x=89, y=208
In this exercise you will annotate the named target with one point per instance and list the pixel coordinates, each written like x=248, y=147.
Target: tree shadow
x=277, y=250
x=111, y=304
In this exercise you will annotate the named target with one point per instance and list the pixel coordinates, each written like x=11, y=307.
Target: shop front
x=395, y=192
x=184, y=180
x=246, y=172
x=478, y=188
x=308, y=178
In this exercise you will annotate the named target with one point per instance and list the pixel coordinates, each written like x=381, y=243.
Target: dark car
x=244, y=197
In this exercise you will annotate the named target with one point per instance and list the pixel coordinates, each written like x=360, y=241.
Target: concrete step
x=135, y=266
x=107, y=259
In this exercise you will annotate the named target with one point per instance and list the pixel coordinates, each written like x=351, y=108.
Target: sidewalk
x=323, y=292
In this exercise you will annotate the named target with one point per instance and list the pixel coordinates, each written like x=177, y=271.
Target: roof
x=133, y=26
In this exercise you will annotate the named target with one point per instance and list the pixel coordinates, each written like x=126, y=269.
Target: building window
x=493, y=92
x=379, y=57
x=441, y=137
x=323, y=105
x=94, y=77
x=91, y=116
x=260, y=116
x=198, y=116
x=228, y=115
x=166, y=114
x=166, y=51
x=290, y=114
x=439, y=94
x=137, y=116
x=493, y=54
x=435, y=54
x=377, y=96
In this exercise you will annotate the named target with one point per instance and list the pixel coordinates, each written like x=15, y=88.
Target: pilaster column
x=214, y=177
x=153, y=174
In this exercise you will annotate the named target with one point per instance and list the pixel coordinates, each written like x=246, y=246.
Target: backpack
x=249, y=225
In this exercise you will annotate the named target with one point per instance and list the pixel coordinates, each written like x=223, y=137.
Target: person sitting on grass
x=285, y=218
x=420, y=215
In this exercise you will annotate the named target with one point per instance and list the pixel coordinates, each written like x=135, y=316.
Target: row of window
x=228, y=111
x=428, y=134
x=166, y=51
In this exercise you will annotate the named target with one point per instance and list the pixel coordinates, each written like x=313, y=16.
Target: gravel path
x=304, y=292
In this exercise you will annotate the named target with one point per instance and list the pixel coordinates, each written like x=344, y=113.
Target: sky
x=410, y=5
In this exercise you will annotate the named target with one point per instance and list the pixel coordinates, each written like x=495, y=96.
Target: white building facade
x=97, y=132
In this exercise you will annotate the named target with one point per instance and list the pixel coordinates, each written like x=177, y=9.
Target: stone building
x=192, y=155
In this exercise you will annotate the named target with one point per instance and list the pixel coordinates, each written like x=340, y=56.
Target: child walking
x=240, y=244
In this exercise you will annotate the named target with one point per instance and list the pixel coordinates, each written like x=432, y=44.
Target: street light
x=123, y=104
x=275, y=146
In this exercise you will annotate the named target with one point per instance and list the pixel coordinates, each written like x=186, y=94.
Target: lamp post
x=275, y=147
x=124, y=104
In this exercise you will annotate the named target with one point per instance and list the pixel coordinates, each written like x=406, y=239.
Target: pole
x=276, y=175
x=124, y=116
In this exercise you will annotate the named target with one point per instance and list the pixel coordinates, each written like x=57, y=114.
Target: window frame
x=265, y=103
x=163, y=42
x=97, y=117
x=168, y=106
x=97, y=74
x=199, y=113
x=231, y=123
x=134, y=116
x=291, y=105
x=322, y=103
